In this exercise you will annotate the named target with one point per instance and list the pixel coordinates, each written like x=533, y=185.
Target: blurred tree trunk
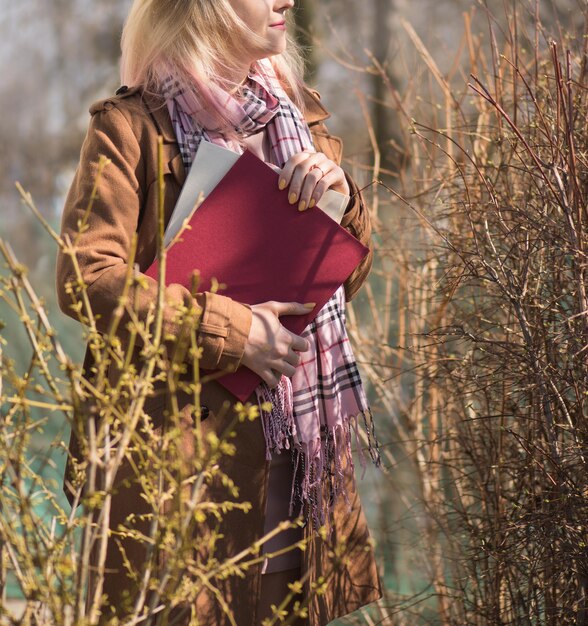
x=303, y=19
x=384, y=118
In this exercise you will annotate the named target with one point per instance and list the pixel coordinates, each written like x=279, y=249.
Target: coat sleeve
x=103, y=248
x=357, y=221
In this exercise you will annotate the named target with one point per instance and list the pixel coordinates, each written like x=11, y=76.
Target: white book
x=211, y=164
x=209, y=167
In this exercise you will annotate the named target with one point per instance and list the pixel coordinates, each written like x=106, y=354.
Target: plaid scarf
x=314, y=413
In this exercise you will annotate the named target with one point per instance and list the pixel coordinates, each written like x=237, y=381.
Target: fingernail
x=292, y=198
x=309, y=305
x=312, y=203
x=282, y=184
x=302, y=206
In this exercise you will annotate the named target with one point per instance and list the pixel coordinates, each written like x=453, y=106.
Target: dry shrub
x=475, y=337
x=45, y=544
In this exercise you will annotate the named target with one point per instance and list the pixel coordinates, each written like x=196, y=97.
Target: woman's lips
x=279, y=25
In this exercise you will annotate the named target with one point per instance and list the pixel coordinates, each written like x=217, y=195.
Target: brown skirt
x=274, y=588
x=280, y=479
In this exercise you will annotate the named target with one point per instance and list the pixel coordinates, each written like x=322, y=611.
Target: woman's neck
x=238, y=76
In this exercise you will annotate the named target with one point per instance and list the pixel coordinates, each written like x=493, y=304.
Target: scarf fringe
x=278, y=430
x=318, y=469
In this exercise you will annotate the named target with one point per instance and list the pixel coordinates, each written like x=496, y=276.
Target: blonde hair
x=195, y=42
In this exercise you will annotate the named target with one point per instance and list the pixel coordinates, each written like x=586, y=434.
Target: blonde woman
x=223, y=71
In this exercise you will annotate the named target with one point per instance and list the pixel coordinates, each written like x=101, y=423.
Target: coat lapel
x=314, y=111
x=172, y=158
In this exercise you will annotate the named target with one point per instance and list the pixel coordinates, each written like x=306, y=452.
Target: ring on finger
x=317, y=167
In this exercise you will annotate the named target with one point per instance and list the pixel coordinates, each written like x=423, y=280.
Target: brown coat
x=125, y=129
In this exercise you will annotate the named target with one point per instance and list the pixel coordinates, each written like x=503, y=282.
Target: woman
x=220, y=71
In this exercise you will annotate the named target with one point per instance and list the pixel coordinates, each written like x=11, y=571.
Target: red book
x=248, y=236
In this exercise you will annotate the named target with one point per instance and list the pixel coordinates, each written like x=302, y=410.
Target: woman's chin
x=272, y=49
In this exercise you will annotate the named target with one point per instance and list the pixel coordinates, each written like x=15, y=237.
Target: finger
x=289, y=167
x=315, y=185
x=292, y=308
x=287, y=369
x=271, y=378
x=300, y=344
x=299, y=174
x=331, y=180
x=272, y=305
x=293, y=357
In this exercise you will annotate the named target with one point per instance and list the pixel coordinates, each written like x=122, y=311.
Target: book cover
x=247, y=236
x=210, y=165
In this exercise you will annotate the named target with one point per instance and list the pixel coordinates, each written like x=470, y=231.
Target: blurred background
x=369, y=60
x=58, y=56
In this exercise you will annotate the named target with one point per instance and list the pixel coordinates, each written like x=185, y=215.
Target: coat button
x=204, y=412
x=122, y=89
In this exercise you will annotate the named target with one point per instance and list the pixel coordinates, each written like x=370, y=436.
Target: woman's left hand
x=309, y=175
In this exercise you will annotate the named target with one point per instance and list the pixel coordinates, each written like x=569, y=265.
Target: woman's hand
x=271, y=349
x=309, y=175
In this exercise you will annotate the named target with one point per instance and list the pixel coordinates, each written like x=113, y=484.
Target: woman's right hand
x=271, y=349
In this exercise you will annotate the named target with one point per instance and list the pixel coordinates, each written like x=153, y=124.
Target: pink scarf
x=314, y=413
